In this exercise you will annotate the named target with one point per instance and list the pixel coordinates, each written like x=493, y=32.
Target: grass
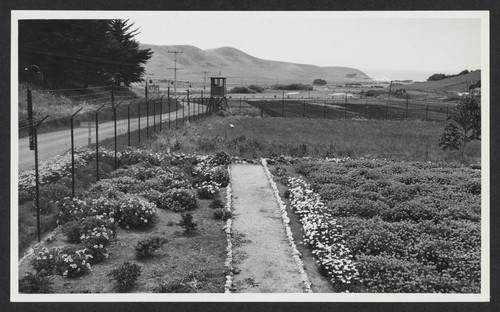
x=264, y=137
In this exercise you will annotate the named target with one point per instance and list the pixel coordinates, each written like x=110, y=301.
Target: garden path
x=260, y=247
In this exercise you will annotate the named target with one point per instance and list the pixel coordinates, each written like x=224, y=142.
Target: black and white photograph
x=311, y=156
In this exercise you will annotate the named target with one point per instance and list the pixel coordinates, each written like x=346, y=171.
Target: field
x=265, y=137
x=406, y=226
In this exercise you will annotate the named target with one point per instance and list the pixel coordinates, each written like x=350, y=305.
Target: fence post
x=161, y=110
x=188, y=104
x=283, y=103
x=168, y=100
x=128, y=123
x=407, y=97
x=303, y=108
x=147, y=119
x=426, y=111
x=176, y=110
x=154, y=115
x=262, y=108
x=447, y=107
x=240, y=106
x=73, y=153
x=345, y=106
x=116, y=144
x=366, y=109
x=37, y=178
x=139, y=120
x=97, y=141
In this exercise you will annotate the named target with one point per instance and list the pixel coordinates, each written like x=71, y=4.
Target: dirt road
x=261, y=252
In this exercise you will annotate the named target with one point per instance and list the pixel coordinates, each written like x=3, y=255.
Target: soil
x=261, y=252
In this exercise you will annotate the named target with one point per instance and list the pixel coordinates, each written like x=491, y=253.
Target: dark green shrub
x=146, y=247
x=221, y=176
x=216, y=203
x=125, y=276
x=46, y=260
x=222, y=214
x=187, y=223
x=136, y=212
x=221, y=159
x=35, y=284
x=207, y=191
x=178, y=200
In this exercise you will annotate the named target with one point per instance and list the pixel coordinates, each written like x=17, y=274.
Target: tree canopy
x=319, y=82
x=81, y=52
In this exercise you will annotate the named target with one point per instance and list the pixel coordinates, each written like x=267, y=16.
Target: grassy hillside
x=458, y=83
x=233, y=62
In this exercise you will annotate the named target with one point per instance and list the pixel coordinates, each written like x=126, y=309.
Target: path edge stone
x=306, y=284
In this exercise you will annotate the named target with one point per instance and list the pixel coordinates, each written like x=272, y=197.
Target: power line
x=175, y=68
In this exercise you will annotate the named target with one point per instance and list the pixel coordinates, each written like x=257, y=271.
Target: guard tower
x=218, y=86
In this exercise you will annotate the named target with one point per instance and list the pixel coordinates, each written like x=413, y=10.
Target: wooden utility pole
x=175, y=69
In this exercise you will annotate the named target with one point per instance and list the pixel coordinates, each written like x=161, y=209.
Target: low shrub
x=222, y=214
x=146, y=247
x=35, y=284
x=136, y=212
x=178, y=200
x=221, y=159
x=216, y=203
x=187, y=223
x=221, y=176
x=46, y=260
x=208, y=191
x=125, y=276
x=73, y=263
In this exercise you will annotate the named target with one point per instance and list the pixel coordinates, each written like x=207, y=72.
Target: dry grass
x=256, y=137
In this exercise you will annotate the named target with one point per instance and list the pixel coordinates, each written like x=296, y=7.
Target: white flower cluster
x=229, y=249
x=322, y=233
x=56, y=168
x=286, y=221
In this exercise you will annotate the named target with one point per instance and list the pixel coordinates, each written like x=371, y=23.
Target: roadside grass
x=264, y=137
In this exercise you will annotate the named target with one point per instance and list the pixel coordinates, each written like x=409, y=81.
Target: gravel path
x=260, y=247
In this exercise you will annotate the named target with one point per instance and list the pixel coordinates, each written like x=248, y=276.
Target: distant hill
x=458, y=83
x=232, y=62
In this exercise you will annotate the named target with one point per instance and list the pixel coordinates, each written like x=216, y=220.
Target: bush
x=46, y=259
x=146, y=247
x=221, y=159
x=187, y=223
x=73, y=263
x=35, y=284
x=93, y=230
x=208, y=191
x=221, y=176
x=216, y=203
x=178, y=200
x=136, y=212
x=222, y=214
x=256, y=88
x=125, y=276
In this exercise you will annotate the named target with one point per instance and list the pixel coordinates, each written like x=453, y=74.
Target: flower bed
x=323, y=235
x=411, y=227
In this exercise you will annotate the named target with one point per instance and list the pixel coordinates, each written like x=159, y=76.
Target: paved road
x=55, y=143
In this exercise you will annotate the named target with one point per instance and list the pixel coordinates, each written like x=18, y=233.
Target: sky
x=379, y=44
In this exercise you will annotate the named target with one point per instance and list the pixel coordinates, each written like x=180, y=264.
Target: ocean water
x=388, y=75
